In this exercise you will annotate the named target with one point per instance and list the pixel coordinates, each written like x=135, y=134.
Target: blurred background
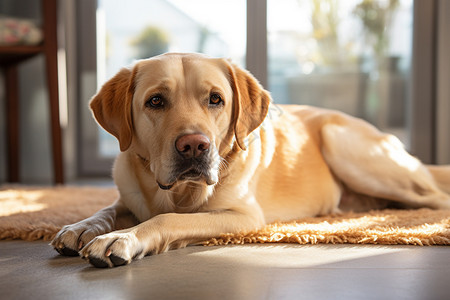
x=385, y=61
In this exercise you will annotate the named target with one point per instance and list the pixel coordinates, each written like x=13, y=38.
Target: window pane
x=135, y=29
x=353, y=56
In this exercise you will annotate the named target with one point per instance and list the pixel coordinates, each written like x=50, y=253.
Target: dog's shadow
x=165, y=261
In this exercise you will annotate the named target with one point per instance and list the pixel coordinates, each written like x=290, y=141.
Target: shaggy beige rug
x=38, y=213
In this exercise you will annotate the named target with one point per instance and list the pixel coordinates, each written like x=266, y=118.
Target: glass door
x=353, y=56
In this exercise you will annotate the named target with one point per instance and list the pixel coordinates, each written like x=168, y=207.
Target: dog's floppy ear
x=251, y=103
x=112, y=106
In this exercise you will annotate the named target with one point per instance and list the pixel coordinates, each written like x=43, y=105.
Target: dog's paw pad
x=67, y=251
x=97, y=262
x=117, y=261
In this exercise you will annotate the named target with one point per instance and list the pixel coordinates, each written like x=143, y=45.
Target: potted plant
x=150, y=42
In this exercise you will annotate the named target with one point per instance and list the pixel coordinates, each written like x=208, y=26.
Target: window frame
x=422, y=114
x=443, y=88
x=90, y=163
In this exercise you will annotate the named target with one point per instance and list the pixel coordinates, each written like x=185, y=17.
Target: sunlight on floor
x=289, y=254
x=13, y=202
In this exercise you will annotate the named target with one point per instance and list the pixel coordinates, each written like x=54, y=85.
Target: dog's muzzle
x=193, y=160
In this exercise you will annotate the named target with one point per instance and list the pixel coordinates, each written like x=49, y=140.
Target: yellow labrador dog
x=204, y=152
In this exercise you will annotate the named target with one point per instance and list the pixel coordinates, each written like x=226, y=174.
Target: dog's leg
x=376, y=164
x=71, y=238
x=164, y=232
x=441, y=175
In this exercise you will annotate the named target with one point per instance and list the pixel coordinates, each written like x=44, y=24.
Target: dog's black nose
x=192, y=145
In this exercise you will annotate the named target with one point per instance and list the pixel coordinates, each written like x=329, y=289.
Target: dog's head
x=181, y=113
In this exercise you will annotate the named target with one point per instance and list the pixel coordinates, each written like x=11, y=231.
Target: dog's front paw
x=72, y=238
x=113, y=249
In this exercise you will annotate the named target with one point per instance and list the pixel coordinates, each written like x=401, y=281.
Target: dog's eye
x=155, y=102
x=215, y=100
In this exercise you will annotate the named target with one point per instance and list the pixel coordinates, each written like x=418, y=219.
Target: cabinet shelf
x=14, y=54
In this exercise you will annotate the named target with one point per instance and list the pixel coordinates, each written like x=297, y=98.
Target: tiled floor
x=33, y=270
